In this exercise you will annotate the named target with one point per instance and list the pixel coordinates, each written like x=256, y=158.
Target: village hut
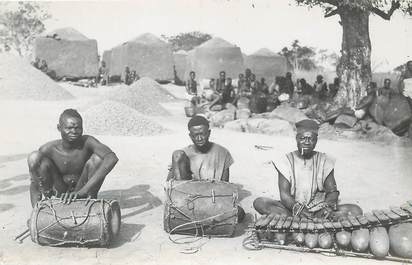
x=267, y=64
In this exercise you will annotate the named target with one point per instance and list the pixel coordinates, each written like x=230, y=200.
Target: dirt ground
x=372, y=175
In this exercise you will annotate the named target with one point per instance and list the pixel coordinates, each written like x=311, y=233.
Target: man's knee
x=259, y=203
x=179, y=156
x=33, y=160
x=93, y=162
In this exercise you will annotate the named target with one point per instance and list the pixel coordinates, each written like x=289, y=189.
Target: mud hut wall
x=180, y=64
x=266, y=66
x=73, y=59
x=155, y=62
x=118, y=60
x=208, y=62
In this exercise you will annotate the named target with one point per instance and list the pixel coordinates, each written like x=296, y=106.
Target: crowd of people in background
x=257, y=95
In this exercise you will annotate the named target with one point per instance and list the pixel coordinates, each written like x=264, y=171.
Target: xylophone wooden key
x=279, y=224
x=303, y=224
x=319, y=227
x=391, y=215
x=363, y=221
x=259, y=222
x=328, y=225
x=295, y=223
x=273, y=223
x=288, y=222
x=354, y=222
x=337, y=225
x=371, y=219
x=403, y=214
x=383, y=219
x=407, y=207
x=311, y=226
x=345, y=223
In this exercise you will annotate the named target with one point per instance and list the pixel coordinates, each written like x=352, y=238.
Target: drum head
x=114, y=219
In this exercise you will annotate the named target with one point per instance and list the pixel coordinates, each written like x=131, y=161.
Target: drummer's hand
x=68, y=197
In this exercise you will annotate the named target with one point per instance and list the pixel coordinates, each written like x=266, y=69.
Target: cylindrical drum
x=80, y=223
x=201, y=208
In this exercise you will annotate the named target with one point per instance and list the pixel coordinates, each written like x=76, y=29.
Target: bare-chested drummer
x=72, y=167
x=306, y=181
x=203, y=160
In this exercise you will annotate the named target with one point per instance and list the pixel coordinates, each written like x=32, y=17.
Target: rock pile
x=143, y=96
x=113, y=118
x=21, y=81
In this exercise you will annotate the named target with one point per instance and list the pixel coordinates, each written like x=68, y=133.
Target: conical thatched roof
x=68, y=34
x=217, y=43
x=149, y=39
x=264, y=52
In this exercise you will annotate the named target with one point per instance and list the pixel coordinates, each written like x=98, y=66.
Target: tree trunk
x=354, y=68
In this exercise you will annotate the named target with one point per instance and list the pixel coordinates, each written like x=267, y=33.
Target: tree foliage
x=20, y=25
x=299, y=57
x=374, y=6
x=187, y=41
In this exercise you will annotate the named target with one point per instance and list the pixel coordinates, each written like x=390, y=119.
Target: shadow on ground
x=11, y=158
x=128, y=233
x=134, y=200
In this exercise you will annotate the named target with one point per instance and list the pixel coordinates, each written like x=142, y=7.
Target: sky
x=251, y=25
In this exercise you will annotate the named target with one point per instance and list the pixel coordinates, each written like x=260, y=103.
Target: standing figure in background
x=127, y=75
x=288, y=86
x=386, y=90
x=321, y=88
x=221, y=82
x=103, y=78
x=191, y=88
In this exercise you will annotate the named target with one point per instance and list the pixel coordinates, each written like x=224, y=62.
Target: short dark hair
x=192, y=72
x=197, y=120
x=70, y=113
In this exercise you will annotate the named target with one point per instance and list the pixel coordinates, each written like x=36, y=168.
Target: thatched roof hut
x=267, y=64
x=147, y=54
x=68, y=52
x=213, y=56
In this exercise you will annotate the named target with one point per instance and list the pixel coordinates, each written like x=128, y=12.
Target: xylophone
x=357, y=236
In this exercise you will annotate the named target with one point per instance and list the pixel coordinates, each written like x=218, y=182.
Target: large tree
x=20, y=25
x=354, y=68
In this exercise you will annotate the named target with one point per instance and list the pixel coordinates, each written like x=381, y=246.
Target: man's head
x=319, y=78
x=253, y=77
x=199, y=131
x=241, y=76
x=409, y=65
x=306, y=136
x=222, y=75
x=127, y=69
x=228, y=81
x=248, y=72
x=371, y=87
x=70, y=125
x=262, y=80
x=387, y=83
x=192, y=74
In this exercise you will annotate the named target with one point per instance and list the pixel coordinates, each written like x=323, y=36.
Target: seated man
x=73, y=167
x=306, y=182
x=203, y=160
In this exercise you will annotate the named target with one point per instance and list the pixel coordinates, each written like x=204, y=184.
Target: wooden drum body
x=201, y=208
x=80, y=223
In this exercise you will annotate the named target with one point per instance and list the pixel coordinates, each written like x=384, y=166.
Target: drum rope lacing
x=193, y=224
x=59, y=219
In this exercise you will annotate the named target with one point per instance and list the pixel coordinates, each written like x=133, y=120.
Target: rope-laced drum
x=201, y=208
x=83, y=222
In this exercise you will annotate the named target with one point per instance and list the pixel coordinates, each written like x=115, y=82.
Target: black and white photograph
x=197, y=132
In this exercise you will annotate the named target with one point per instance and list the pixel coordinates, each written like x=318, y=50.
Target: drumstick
x=18, y=237
x=74, y=218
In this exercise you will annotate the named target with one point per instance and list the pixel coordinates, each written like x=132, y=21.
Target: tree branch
x=330, y=2
x=395, y=5
x=332, y=13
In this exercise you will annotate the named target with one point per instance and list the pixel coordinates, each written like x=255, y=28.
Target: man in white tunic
x=306, y=181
